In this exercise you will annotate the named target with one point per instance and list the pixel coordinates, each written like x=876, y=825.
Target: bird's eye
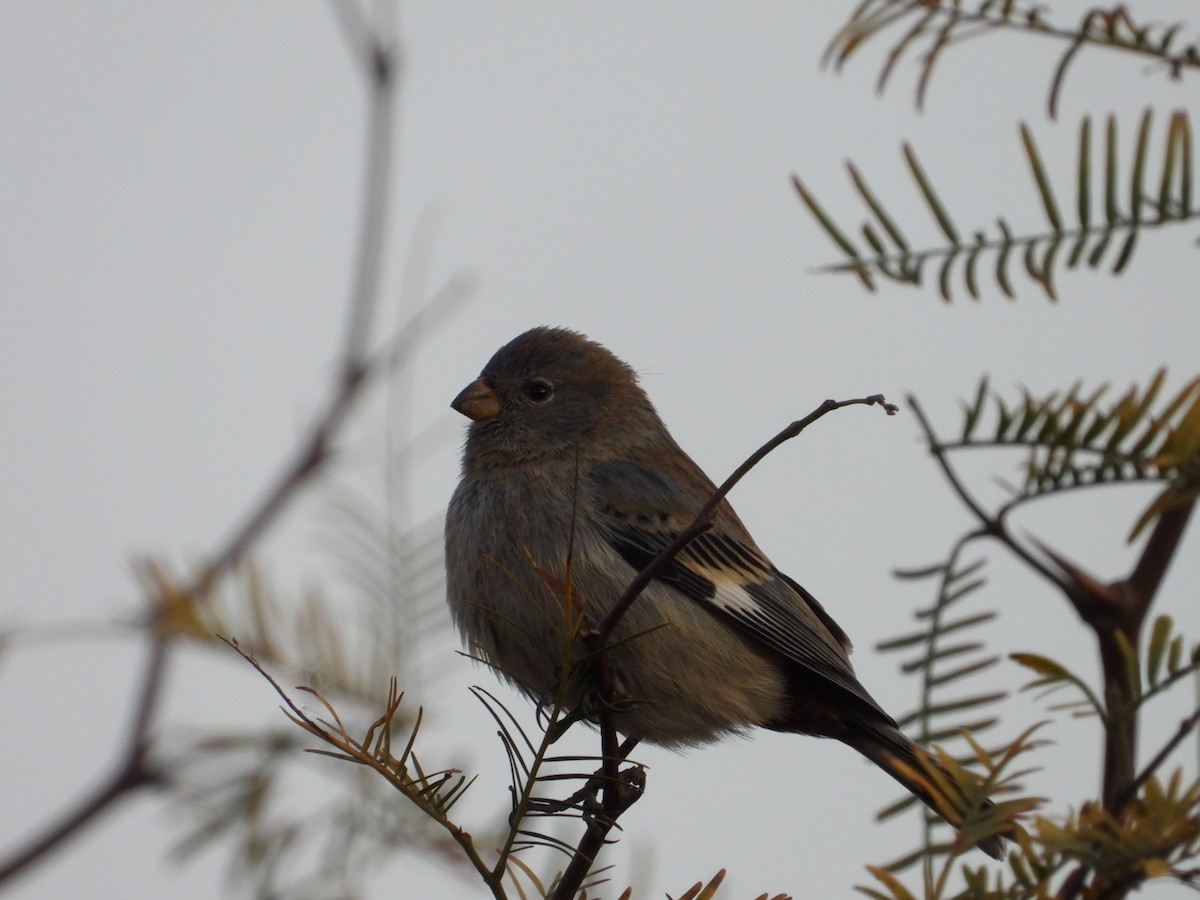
x=539, y=390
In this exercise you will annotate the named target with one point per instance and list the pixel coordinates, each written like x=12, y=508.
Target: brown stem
x=1186, y=727
x=1118, y=633
x=1156, y=556
x=992, y=525
x=1120, y=694
x=133, y=771
x=1114, y=611
x=618, y=790
x=619, y=793
x=1073, y=884
x=379, y=62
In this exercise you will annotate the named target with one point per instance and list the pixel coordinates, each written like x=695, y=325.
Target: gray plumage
x=568, y=468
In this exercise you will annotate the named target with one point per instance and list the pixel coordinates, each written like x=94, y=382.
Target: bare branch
x=993, y=526
x=1147, y=575
x=1186, y=727
x=134, y=770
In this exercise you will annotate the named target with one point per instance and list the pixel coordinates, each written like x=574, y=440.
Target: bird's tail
x=901, y=758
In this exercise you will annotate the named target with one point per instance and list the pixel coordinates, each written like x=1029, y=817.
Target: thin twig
x=1186, y=727
x=379, y=62
x=989, y=524
x=415, y=789
x=703, y=520
x=354, y=363
x=132, y=772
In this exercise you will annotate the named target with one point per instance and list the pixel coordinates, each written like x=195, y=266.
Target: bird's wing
x=643, y=510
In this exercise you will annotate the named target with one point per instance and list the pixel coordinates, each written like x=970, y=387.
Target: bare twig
x=703, y=520
x=354, y=365
x=415, y=789
x=134, y=769
x=378, y=60
x=1186, y=727
x=993, y=526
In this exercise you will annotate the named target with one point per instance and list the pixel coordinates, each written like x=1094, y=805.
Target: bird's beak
x=477, y=401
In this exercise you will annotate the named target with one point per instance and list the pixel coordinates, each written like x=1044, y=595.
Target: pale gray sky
x=179, y=192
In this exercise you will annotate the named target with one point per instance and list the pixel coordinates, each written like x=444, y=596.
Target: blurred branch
x=1156, y=556
x=355, y=363
x=378, y=60
x=134, y=770
x=1186, y=727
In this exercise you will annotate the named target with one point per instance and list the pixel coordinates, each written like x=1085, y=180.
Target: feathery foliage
x=944, y=653
x=434, y=794
x=231, y=786
x=1075, y=439
x=937, y=25
x=1147, y=827
x=1104, y=232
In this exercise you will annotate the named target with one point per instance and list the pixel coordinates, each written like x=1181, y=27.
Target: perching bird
x=566, y=457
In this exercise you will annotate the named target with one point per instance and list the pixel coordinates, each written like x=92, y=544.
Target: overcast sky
x=179, y=194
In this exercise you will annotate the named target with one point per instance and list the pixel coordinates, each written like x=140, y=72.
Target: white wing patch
x=732, y=598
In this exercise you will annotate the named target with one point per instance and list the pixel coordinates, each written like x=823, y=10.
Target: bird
x=570, y=485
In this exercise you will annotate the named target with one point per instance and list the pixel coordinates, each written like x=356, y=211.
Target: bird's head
x=552, y=393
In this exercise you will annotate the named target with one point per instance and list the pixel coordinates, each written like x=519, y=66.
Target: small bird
x=570, y=486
